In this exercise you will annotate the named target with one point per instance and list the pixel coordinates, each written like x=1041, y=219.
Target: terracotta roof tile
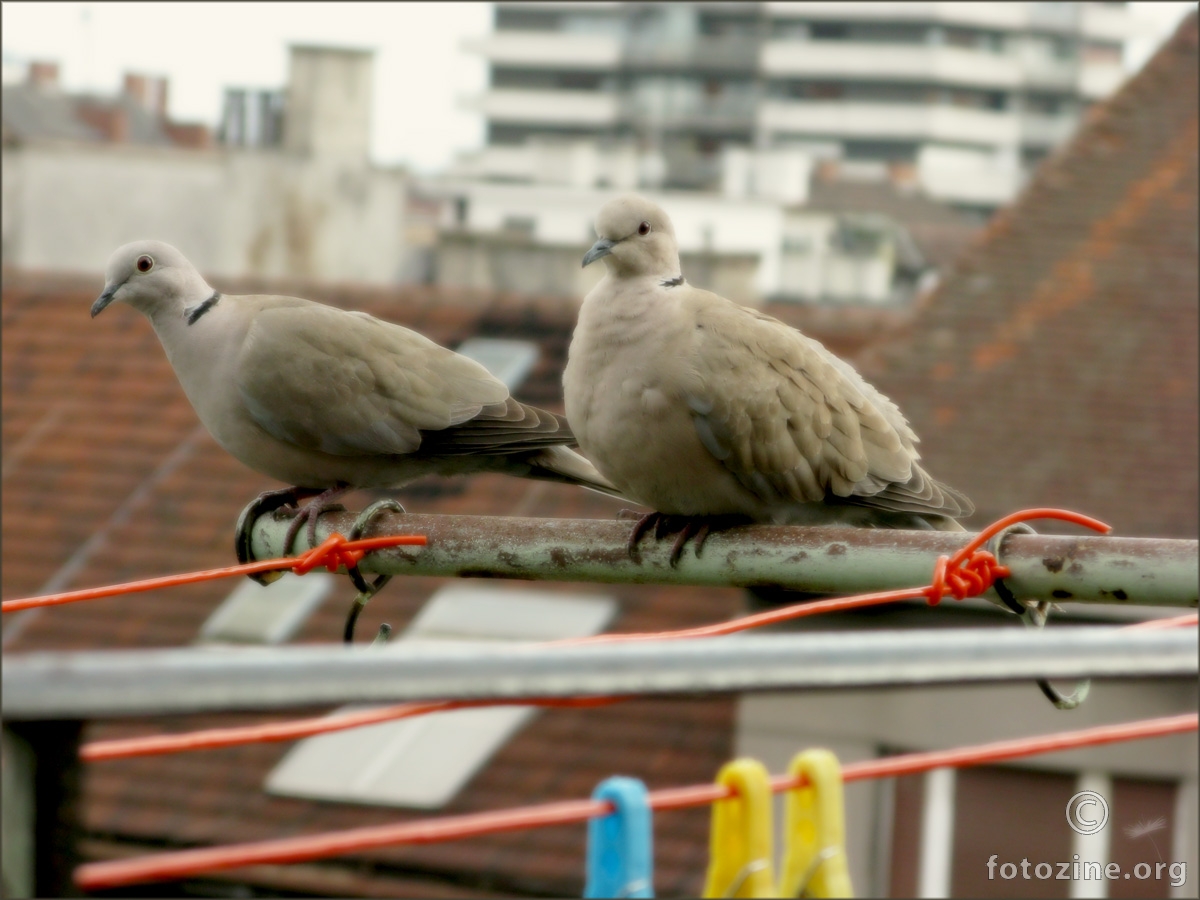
x=1057, y=365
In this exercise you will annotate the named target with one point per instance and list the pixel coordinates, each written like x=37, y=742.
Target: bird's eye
x=145, y=263
x=644, y=228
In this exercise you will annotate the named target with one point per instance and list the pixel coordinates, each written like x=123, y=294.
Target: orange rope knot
x=971, y=571
x=967, y=578
x=332, y=553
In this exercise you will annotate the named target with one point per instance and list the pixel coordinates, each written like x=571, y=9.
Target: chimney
x=43, y=75
x=148, y=92
x=135, y=88
x=161, y=106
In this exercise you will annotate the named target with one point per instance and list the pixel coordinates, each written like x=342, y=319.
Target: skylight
x=254, y=614
x=424, y=762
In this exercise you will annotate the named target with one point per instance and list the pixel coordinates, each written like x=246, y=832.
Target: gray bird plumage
x=696, y=406
x=320, y=398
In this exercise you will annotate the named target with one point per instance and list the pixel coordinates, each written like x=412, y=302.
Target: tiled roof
x=109, y=477
x=1057, y=364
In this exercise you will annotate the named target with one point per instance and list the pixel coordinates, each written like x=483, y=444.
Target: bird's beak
x=601, y=248
x=104, y=299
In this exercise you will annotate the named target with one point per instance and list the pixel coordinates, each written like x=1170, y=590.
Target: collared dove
x=325, y=399
x=697, y=407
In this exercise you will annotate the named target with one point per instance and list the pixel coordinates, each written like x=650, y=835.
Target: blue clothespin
x=620, y=854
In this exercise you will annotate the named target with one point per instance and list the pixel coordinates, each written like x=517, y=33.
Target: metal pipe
x=139, y=682
x=828, y=559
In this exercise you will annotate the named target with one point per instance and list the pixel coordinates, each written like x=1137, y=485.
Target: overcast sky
x=423, y=75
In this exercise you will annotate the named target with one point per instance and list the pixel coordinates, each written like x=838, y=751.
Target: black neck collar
x=193, y=313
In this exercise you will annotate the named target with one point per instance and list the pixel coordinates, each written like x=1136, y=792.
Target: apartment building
x=963, y=98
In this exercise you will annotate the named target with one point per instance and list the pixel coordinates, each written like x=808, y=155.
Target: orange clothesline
x=969, y=571
x=166, y=866
x=331, y=553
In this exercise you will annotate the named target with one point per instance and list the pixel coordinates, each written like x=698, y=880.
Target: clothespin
x=620, y=854
x=814, y=859
x=740, y=849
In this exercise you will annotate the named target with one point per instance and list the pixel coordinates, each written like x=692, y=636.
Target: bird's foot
x=367, y=591
x=264, y=503
x=313, y=510
x=695, y=528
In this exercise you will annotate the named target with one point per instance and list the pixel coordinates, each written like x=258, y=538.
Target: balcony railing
x=732, y=53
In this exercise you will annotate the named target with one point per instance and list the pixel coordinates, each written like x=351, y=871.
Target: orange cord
x=181, y=864
x=982, y=574
x=212, y=738
x=333, y=552
x=215, y=738
x=1173, y=622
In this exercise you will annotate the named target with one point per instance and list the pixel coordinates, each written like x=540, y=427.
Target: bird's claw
x=366, y=591
x=264, y=503
x=312, y=511
x=696, y=528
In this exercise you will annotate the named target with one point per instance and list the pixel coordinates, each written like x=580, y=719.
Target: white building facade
x=967, y=96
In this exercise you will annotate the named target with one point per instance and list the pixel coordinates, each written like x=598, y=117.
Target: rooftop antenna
x=85, y=20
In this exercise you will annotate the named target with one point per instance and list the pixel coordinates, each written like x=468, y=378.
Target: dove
x=698, y=407
x=328, y=400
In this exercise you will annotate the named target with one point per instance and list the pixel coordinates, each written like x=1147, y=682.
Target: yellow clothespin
x=740, y=849
x=814, y=859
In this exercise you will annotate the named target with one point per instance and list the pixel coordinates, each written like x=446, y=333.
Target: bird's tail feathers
x=564, y=465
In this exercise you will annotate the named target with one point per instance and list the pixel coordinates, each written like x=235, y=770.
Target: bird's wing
x=793, y=422
x=349, y=384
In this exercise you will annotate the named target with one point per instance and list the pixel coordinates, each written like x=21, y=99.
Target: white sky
x=423, y=75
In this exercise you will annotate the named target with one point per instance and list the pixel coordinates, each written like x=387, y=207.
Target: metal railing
x=146, y=682
x=1085, y=569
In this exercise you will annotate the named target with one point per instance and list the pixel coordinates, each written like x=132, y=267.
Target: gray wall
x=234, y=213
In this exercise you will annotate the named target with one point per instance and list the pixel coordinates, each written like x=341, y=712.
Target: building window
x=1064, y=48
x=727, y=25
x=974, y=39
x=1032, y=156
x=526, y=19
x=1043, y=104
x=783, y=30
x=881, y=151
x=1004, y=815
x=825, y=90
x=542, y=80
x=829, y=31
